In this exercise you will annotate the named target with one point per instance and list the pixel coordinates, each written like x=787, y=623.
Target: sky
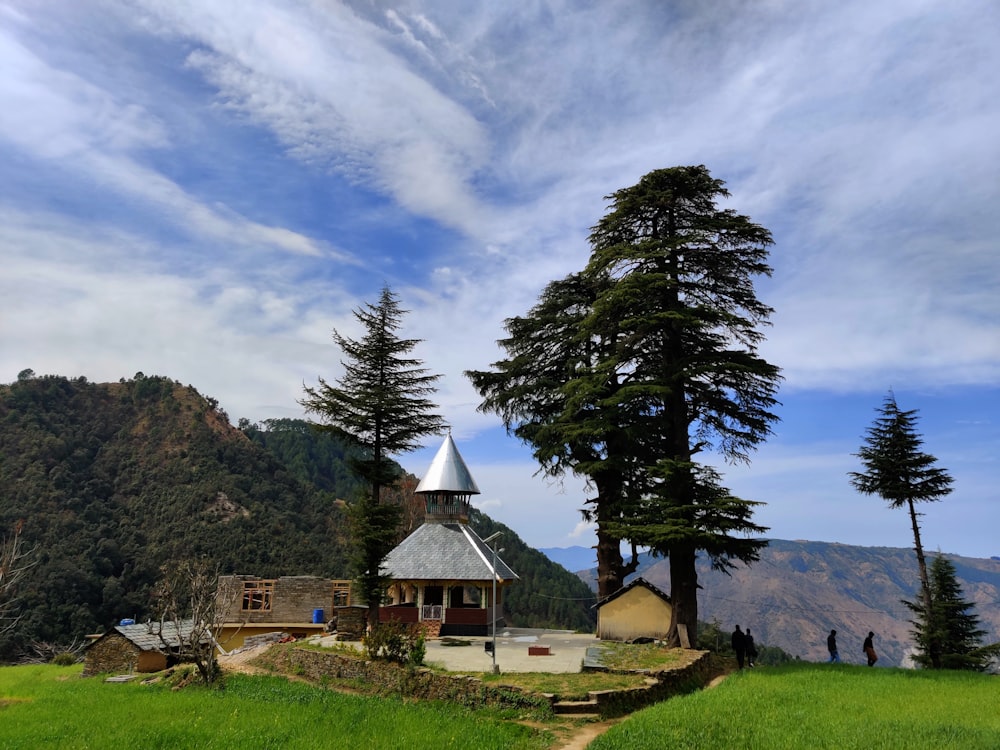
x=205, y=190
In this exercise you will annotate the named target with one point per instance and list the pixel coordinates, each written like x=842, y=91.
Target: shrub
x=396, y=642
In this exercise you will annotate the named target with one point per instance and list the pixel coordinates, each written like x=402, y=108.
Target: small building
x=297, y=605
x=638, y=610
x=443, y=575
x=142, y=647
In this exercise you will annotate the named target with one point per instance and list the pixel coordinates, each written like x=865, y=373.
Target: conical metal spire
x=448, y=473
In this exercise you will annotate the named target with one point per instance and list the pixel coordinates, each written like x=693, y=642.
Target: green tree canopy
x=624, y=372
x=380, y=406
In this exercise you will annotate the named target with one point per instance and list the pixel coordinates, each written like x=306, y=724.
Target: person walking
x=869, y=649
x=739, y=646
x=751, y=649
x=831, y=646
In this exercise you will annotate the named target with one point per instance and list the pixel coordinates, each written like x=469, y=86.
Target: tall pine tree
x=380, y=405
x=898, y=471
x=649, y=357
x=573, y=424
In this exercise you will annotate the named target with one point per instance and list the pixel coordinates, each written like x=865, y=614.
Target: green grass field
x=53, y=707
x=798, y=706
x=819, y=706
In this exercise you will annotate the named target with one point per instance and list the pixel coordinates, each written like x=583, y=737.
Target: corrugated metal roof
x=444, y=552
x=448, y=472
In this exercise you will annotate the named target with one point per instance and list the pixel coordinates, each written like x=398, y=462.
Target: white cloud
x=152, y=216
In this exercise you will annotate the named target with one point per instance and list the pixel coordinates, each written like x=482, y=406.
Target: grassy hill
x=115, y=480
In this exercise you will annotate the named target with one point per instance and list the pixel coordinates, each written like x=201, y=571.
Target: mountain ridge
x=800, y=590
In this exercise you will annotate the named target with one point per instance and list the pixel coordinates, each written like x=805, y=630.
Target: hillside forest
x=112, y=481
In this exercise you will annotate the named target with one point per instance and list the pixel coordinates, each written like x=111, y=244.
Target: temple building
x=443, y=575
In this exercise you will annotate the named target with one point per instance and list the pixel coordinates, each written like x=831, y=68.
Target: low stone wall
x=668, y=683
x=425, y=684
x=393, y=679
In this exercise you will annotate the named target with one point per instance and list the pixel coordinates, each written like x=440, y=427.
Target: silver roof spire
x=448, y=472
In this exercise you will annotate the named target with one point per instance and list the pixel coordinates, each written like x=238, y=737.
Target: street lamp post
x=493, y=538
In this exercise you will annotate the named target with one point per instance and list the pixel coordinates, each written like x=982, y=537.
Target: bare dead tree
x=15, y=561
x=187, y=601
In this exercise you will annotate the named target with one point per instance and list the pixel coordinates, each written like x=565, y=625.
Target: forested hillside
x=114, y=480
x=546, y=595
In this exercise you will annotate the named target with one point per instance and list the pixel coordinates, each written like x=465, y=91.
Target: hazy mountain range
x=801, y=590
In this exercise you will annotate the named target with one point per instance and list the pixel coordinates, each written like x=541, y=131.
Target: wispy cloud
x=205, y=190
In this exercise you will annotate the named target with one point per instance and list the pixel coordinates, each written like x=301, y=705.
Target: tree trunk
x=611, y=567
x=933, y=647
x=683, y=595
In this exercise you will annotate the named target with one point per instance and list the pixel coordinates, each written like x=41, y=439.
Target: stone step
x=575, y=707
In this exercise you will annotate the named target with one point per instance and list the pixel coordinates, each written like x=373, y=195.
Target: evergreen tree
x=380, y=407
x=899, y=472
x=572, y=426
x=948, y=635
x=648, y=357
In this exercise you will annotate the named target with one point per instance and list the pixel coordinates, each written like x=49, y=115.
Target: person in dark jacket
x=869, y=649
x=831, y=646
x=739, y=646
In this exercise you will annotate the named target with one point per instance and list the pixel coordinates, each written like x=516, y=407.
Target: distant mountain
x=801, y=590
x=115, y=480
x=574, y=559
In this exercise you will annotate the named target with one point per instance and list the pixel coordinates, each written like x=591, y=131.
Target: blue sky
x=205, y=189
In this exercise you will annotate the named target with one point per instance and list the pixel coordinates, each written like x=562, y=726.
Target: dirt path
x=239, y=661
x=583, y=736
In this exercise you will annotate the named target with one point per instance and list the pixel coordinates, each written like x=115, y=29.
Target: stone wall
x=352, y=622
x=393, y=679
x=116, y=653
x=663, y=684
x=293, y=599
x=425, y=684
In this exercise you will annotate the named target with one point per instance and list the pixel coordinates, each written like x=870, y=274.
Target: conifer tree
x=572, y=426
x=380, y=405
x=625, y=372
x=948, y=635
x=897, y=470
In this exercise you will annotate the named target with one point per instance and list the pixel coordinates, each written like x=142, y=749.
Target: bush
x=64, y=659
x=396, y=642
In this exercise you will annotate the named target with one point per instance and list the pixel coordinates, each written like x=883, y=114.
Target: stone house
x=638, y=610
x=144, y=647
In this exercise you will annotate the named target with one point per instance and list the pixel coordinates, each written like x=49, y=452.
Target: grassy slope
x=51, y=707
x=822, y=706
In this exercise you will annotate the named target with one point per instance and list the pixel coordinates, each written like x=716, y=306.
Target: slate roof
x=444, y=552
x=448, y=472
x=624, y=589
x=146, y=636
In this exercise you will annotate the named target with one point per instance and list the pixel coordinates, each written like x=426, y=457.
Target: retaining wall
x=425, y=684
x=412, y=682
